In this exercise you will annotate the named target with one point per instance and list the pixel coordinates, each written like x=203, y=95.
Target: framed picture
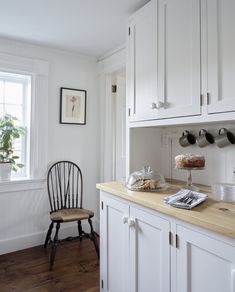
x=72, y=106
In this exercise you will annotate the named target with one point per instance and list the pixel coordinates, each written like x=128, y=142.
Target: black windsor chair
x=65, y=191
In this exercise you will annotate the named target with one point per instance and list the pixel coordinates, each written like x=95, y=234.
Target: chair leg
x=54, y=246
x=80, y=232
x=49, y=234
x=94, y=239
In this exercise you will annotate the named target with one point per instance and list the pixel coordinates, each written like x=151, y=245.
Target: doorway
x=113, y=127
x=119, y=126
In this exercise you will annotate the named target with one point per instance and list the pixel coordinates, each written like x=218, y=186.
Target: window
x=15, y=99
x=27, y=79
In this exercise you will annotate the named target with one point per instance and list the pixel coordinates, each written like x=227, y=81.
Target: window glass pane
x=16, y=111
x=1, y=109
x=18, y=153
x=13, y=93
x=1, y=91
x=18, y=144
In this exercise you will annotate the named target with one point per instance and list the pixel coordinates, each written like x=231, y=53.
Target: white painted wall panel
x=159, y=146
x=24, y=215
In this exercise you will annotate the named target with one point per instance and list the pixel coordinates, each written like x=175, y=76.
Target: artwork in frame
x=72, y=106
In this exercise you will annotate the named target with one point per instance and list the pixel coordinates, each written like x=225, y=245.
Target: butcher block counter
x=213, y=215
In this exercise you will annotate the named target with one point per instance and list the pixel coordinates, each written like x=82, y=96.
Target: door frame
x=114, y=62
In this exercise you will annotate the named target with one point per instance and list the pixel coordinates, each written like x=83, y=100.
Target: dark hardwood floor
x=76, y=268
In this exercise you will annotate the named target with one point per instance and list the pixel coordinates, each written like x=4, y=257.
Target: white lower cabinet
x=149, y=252
x=114, y=241
x=135, y=253
x=145, y=251
x=204, y=264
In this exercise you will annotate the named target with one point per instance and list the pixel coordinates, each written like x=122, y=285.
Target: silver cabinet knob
x=124, y=219
x=157, y=105
x=131, y=222
x=154, y=105
x=160, y=104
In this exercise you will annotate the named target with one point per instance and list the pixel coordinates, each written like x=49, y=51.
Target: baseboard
x=38, y=238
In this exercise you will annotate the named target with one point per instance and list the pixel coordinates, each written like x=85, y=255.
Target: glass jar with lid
x=146, y=180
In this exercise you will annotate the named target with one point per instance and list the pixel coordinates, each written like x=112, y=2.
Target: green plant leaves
x=9, y=132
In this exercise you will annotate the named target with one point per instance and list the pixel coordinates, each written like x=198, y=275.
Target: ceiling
x=90, y=27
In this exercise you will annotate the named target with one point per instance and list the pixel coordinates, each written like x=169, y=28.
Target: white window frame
x=38, y=70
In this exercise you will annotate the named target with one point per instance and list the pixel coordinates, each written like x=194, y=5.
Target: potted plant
x=9, y=132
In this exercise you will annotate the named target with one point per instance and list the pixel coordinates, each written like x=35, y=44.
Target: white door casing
x=120, y=135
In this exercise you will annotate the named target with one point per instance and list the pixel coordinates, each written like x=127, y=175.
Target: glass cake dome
x=146, y=180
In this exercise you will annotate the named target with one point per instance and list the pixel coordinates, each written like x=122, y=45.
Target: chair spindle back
x=65, y=186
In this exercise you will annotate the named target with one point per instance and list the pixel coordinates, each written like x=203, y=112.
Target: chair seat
x=69, y=215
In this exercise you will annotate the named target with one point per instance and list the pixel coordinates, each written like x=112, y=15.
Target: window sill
x=23, y=184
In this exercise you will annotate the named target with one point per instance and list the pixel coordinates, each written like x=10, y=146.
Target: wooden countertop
x=214, y=215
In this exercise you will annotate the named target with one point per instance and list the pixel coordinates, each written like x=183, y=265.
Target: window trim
x=38, y=70
x=21, y=184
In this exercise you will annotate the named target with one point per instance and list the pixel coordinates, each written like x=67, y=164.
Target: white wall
x=159, y=146
x=144, y=148
x=220, y=162
x=25, y=214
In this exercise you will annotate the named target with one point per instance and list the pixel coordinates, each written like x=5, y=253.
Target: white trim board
x=35, y=239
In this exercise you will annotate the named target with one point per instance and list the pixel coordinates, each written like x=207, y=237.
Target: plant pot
x=5, y=170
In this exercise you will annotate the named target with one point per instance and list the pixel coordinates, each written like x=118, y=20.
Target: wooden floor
x=76, y=268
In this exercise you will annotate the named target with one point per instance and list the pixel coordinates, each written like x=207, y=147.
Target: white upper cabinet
x=179, y=87
x=181, y=62
x=164, y=60
x=221, y=55
x=143, y=62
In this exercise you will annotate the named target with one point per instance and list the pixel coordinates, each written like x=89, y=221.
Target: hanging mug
x=224, y=138
x=187, y=139
x=205, y=138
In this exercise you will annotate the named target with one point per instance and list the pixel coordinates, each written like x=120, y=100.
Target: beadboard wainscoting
x=158, y=147
x=25, y=219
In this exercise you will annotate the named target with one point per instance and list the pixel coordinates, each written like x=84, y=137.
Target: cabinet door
x=149, y=253
x=204, y=264
x=221, y=55
x=143, y=62
x=114, y=245
x=179, y=87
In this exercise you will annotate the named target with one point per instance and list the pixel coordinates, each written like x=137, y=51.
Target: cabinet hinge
x=129, y=112
x=201, y=99
x=208, y=97
x=102, y=284
x=176, y=241
x=170, y=238
x=114, y=88
x=102, y=205
x=129, y=30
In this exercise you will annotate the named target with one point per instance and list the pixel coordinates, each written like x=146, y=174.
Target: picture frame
x=72, y=106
